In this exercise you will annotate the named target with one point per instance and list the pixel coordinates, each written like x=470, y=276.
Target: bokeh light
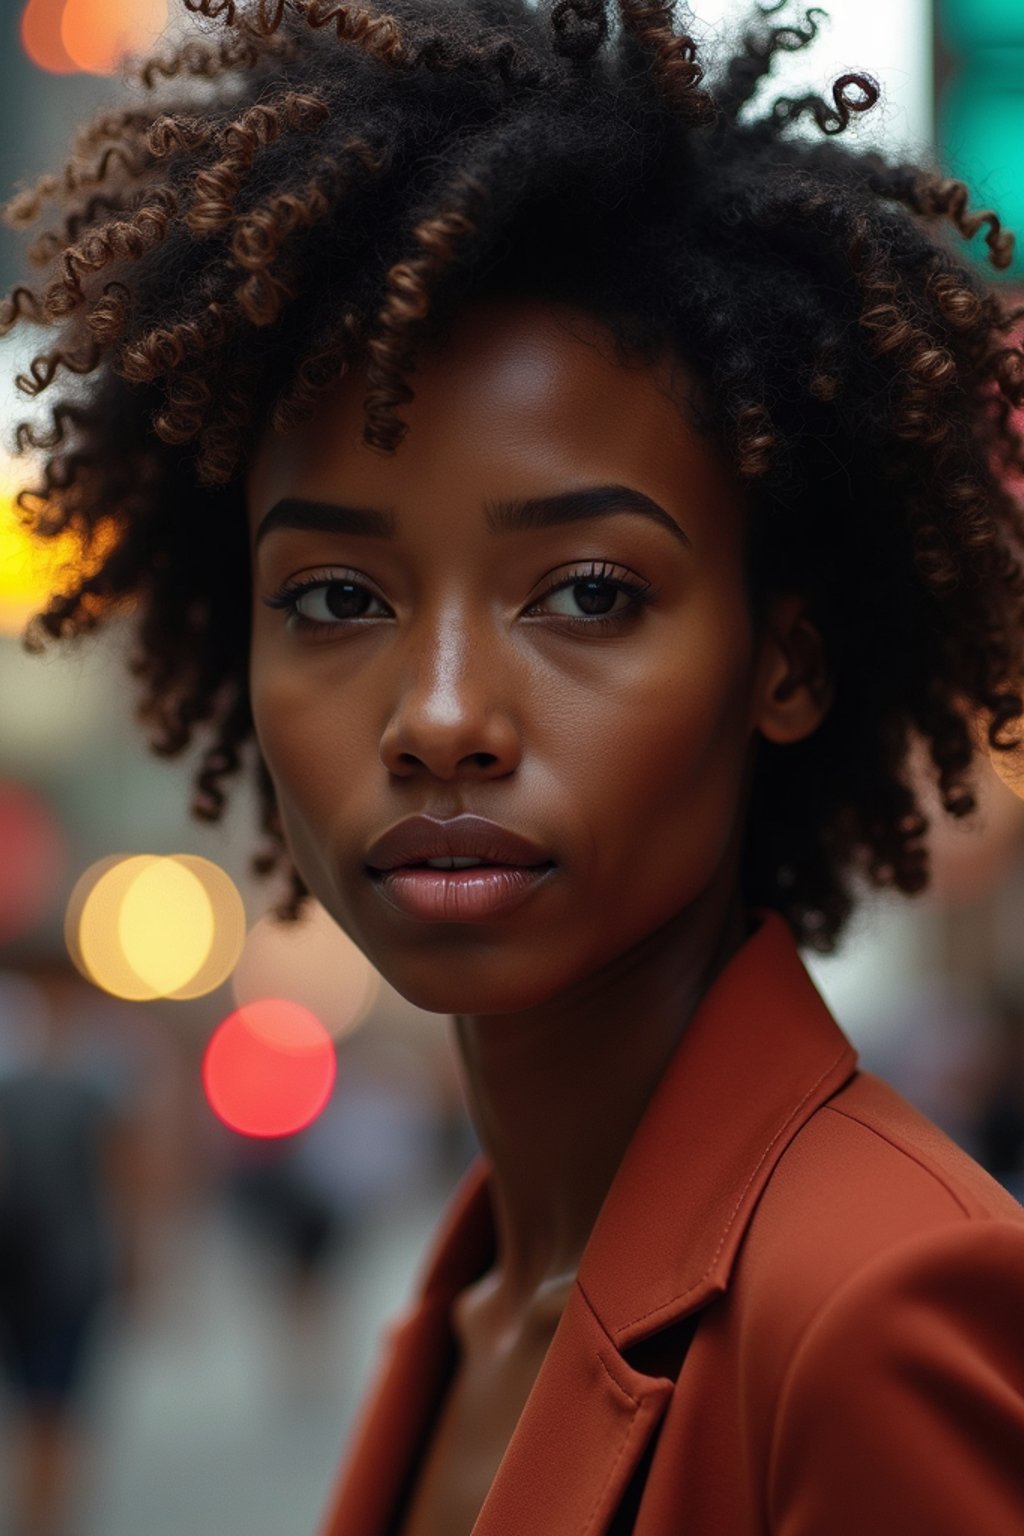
x=41, y=39
x=165, y=894
x=32, y=857
x=312, y=962
x=1008, y=765
x=229, y=927
x=31, y=569
x=969, y=857
x=99, y=33
x=65, y=36
x=91, y=926
x=269, y=1068
x=145, y=926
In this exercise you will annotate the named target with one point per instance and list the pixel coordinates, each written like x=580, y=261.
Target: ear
x=795, y=688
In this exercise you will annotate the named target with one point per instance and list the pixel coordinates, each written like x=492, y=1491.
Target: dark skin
x=624, y=748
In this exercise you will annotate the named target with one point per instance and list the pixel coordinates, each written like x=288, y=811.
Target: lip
x=419, y=838
x=459, y=895
x=515, y=867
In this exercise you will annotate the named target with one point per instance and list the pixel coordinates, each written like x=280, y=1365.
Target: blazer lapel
x=760, y=1054
x=584, y=1428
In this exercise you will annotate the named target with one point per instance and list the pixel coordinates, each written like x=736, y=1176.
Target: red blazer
x=837, y=1287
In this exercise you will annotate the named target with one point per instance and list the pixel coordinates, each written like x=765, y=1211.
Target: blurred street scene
x=194, y=1274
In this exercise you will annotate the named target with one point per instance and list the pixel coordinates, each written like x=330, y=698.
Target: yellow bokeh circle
x=165, y=925
x=229, y=926
x=147, y=926
x=94, y=940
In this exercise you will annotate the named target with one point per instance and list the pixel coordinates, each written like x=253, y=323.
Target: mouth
x=458, y=869
x=453, y=842
x=458, y=890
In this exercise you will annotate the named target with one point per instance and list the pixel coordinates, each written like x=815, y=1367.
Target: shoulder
x=866, y=1172
x=887, y=1164
x=882, y=1287
x=902, y=1406
x=870, y=1115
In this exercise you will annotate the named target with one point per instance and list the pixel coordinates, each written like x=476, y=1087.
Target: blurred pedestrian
x=64, y=1165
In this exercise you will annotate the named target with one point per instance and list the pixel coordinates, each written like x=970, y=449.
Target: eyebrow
x=502, y=516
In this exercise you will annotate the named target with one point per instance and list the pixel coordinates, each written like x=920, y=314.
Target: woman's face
x=473, y=625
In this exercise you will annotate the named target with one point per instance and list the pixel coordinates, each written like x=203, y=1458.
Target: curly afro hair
x=304, y=183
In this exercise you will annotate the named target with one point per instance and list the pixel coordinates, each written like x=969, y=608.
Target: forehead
x=520, y=389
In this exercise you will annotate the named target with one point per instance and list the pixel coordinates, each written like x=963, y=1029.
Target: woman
x=580, y=677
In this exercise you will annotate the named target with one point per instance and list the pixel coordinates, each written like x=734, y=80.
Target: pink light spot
x=31, y=862
x=269, y=1068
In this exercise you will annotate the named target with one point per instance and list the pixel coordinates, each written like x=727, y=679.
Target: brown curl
x=407, y=303
x=259, y=126
x=378, y=35
x=834, y=119
x=673, y=58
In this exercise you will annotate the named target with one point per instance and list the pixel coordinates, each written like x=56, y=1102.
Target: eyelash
x=640, y=594
x=287, y=596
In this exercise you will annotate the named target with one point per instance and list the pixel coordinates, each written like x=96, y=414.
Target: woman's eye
x=325, y=602
x=596, y=597
x=333, y=600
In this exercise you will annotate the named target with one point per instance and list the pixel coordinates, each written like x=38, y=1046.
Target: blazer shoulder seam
x=946, y=1182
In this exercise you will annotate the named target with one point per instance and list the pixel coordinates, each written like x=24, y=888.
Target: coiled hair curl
x=347, y=177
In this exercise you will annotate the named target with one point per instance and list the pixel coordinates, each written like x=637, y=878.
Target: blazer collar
x=760, y=1054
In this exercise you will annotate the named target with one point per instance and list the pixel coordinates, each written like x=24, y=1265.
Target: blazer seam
x=793, y=1115
x=601, y=1329
x=910, y=1153
x=588, y=1524
x=617, y=1384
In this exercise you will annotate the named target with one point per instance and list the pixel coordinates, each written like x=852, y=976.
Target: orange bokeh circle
x=98, y=34
x=41, y=39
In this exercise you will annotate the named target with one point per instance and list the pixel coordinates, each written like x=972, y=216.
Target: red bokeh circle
x=32, y=860
x=269, y=1068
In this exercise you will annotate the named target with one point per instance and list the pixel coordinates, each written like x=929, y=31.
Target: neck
x=556, y=1093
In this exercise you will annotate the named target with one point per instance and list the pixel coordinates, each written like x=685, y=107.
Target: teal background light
x=981, y=23
x=980, y=132
x=979, y=110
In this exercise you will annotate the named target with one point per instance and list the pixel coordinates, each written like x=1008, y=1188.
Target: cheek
x=665, y=776
x=313, y=751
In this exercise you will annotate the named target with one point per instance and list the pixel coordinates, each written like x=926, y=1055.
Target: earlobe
x=796, y=686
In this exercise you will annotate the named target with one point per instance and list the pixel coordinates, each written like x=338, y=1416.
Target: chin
x=498, y=988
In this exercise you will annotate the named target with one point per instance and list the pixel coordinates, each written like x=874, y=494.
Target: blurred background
x=234, y=1193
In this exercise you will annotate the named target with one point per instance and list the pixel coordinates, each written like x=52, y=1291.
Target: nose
x=451, y=717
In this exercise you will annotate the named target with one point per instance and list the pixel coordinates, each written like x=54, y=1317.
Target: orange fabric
x=854, y=1280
